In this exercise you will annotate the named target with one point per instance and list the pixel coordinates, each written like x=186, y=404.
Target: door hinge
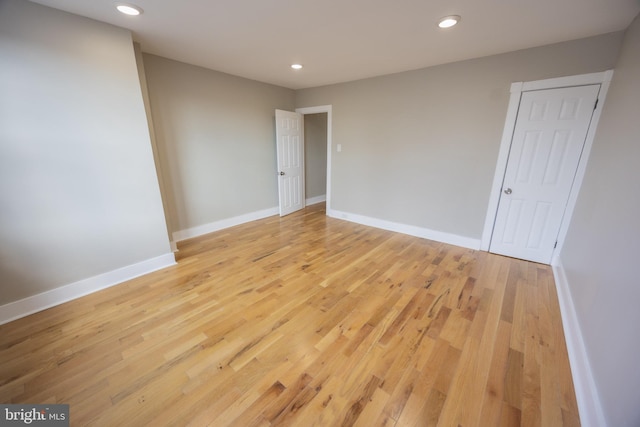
x=596, y=104
x=555, y=245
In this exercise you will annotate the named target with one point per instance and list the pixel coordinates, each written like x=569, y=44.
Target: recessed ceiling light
x=449, y=21
x=129, y=9
x=296, y=66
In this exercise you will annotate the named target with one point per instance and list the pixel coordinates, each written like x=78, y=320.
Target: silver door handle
x=507, y=191
x=281, y=173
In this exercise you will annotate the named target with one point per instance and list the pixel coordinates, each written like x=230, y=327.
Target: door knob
x=281, y=173
x=507, y=191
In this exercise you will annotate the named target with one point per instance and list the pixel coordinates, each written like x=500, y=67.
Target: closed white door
x=290, y=147
x=548, y=138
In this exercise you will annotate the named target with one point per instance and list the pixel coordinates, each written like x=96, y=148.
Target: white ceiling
x=343, y=40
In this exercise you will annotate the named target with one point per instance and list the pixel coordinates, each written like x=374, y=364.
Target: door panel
x=290, y=148
x=547, y=143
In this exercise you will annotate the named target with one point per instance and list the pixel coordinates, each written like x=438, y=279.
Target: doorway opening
x=317, y=142
x=315, y=158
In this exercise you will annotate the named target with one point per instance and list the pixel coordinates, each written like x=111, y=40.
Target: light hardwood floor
x=304, y=320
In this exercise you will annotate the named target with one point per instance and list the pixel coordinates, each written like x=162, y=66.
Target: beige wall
x=216, y=141
x=79, y=195
x=420, y=147
x=142, y=75
x=600, y=254
x=315, y=154
x=78, y=192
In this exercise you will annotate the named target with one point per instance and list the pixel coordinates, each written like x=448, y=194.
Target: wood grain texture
x=304, y=320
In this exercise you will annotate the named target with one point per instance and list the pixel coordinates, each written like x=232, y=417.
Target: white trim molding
x=29, y=305
x=603, y=79
x=587, y=397
x=222, y=224
x=412, y=230
x=315, y=200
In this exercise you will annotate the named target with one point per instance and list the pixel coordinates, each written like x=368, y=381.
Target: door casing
x=604, y=79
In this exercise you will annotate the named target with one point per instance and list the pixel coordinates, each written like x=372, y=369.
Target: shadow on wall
x=17, y=283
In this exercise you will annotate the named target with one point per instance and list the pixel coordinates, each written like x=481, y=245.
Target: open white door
x=547, y=143
x=290, y=148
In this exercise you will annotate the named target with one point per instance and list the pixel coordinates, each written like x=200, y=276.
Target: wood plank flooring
x=304, y=320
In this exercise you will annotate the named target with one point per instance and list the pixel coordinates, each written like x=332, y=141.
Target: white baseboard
x=589, y=405
x=316, y=199
x=26, y=306
x=412, y=230
x=222, y=224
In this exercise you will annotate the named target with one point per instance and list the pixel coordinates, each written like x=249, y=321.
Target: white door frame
x=315, y=110
x=604, y=80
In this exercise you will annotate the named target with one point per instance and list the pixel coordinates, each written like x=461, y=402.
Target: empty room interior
x=321, y=213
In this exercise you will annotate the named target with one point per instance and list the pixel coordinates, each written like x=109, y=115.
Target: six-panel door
x=547, y=143
x=289, y=135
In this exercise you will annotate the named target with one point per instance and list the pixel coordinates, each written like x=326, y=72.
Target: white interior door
x=549, y=135
x=290, y=147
